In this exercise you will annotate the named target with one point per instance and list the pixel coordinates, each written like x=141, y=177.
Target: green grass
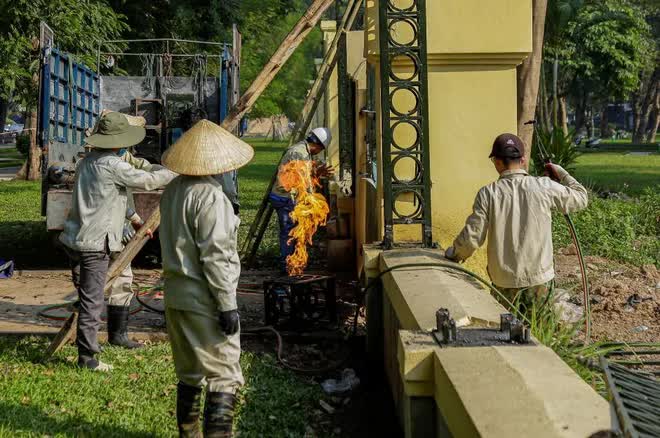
x=627, y=231
x=138, y=398
x=23, y=235
x=15, y=157
x=618, y=171
x=253, y=180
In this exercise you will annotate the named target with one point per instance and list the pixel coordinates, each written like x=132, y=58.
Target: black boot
x=188, y=400
x=118, y=327
x=219, y=415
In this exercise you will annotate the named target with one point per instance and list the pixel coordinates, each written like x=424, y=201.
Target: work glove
x=230, y=322
x=555, y=172
x=127, y=234
x=137, y=223
x=450, y=254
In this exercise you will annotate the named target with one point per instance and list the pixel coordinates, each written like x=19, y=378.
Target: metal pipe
x=148, y=40
x=179, y=55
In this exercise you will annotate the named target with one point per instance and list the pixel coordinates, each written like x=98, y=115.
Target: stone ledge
x=500, y=391
x=416, y=293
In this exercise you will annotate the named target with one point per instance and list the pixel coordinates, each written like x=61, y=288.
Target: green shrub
x=560, y=147
x=627, y=231
x=23, y=144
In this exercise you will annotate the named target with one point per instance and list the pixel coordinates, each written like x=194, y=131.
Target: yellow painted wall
x=473, y=49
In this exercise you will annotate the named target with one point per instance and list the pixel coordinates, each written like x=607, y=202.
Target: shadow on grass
x=30, y=245
x=34, y=422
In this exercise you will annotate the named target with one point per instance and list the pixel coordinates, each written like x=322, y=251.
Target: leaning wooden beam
x=116, y=267
x=323, y=77
x=279, y=58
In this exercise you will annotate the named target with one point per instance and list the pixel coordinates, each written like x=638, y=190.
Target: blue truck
x=72, y=97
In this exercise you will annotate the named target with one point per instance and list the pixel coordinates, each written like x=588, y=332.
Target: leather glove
x=555, y=172
x=230, y=322
x=450, y=254
x=127, y=234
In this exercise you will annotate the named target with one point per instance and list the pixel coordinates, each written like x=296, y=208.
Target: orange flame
x=310, y=212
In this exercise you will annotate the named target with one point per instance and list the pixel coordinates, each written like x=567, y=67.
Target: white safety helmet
x=321, y=136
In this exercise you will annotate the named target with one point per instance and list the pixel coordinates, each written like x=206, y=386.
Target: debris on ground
x=349, y=381
x=623, y=298
x=566, y=309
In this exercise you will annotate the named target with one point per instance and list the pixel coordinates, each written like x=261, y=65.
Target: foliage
x=138, y=398
x=561, y=148
x=23, y=144
x=263, y=30
x=608, y=44
x=628, y=231
x=78, y=26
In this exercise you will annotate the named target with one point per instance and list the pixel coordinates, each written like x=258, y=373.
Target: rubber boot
x=219, y=415
x=118, y=327
x=188, y=400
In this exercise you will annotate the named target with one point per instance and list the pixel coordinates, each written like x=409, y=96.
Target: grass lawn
x=619, y=171
x=10, y=158
x=138, y=398
x=23, y=235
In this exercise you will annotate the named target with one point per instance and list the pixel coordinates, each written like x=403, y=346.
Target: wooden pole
x=325, y=71
x=279, y=58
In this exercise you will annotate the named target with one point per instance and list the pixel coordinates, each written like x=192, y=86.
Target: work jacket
x=516, y=214
x=198, y=235
x=98, y=209
x=298, y=151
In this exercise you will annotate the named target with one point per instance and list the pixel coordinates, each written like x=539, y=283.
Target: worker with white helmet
x=282, y=200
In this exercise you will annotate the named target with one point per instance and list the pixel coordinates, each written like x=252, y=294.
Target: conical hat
x=207, y=149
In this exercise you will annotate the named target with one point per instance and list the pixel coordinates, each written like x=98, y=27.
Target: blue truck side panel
x=70, y=99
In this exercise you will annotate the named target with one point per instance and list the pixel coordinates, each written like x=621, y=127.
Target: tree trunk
x=643, y=104
x=34, y=158
x=604, y=129
x=655, y=120
x=563, y=115
x=555, y=95
x=528, y=76
x=581, y=113
x=4, y=108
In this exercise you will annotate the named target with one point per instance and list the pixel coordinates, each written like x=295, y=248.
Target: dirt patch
x=625, y=300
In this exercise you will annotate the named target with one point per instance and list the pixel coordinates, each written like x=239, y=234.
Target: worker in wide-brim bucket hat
x=201, y=267
x=93, y=231
x=121, y=290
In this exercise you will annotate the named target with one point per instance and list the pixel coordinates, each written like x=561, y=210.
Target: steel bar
x=174, y=55
x=176, y=40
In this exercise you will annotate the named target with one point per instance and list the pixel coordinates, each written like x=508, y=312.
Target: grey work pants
x=89, y=270
x=202, y=352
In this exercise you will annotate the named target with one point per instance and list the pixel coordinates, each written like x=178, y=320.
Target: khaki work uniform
x=121, y=291
x=93, y=229
x=201, y=266
x=515, y=212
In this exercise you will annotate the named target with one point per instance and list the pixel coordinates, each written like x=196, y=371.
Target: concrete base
x=493, y=391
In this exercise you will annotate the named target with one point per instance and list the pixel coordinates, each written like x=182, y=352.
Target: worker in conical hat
x=94, y=228
x=201, y=267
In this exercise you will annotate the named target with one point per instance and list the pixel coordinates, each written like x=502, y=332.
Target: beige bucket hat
x=207, y=149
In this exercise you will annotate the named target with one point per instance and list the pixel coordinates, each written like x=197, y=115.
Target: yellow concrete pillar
x=331, y=97
x=473, y=49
